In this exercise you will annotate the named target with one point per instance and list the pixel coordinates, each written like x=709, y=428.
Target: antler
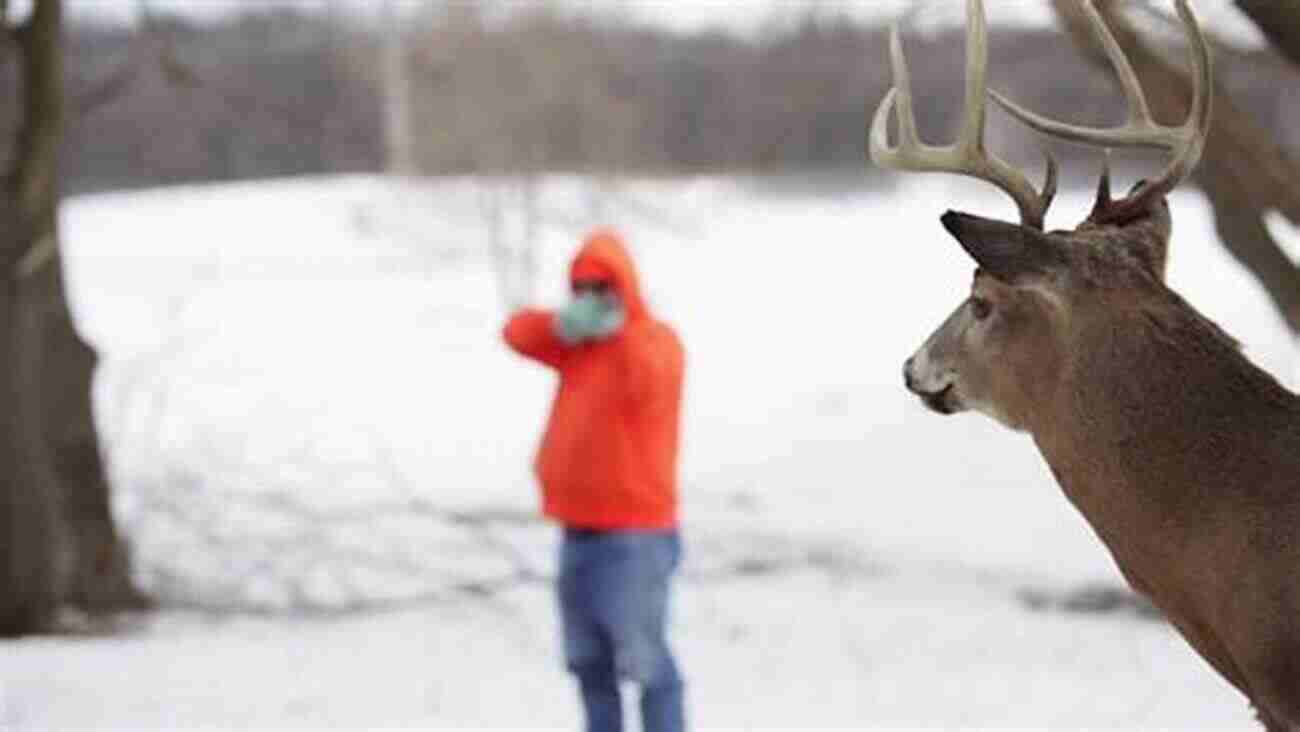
x=1185, y=142
x=968, y=155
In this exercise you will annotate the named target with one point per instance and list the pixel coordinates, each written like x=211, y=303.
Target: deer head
x=1002, y=350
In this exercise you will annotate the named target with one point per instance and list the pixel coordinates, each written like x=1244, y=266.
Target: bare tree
x=59, y=542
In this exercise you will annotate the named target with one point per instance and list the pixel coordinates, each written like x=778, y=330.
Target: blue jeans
x=613, y=591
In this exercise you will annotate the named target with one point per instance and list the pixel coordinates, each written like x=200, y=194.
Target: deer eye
x=980, y=308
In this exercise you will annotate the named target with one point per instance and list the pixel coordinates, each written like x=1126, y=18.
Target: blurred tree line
x=264, y=94
x=284, y=92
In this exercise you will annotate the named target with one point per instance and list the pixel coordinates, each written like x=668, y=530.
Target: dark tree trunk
x=31, y=544
x=61, y=544
x=100, y=578
x=1244, y=171
x=1279, y=21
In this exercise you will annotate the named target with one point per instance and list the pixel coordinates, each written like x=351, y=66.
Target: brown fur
x=1185, y=458
x=1182, y=455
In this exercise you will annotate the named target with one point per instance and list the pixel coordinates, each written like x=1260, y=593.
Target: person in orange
x=607, y=467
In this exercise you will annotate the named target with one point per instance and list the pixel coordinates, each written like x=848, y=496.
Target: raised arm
x=531, y=332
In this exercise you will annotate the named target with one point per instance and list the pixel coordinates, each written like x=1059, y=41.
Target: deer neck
x=1157, y=417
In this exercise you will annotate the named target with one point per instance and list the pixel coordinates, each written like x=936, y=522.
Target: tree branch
x=1279, y=21
x=1218, y=46
x=154, y=44
x=108, y=89
x=1242, y=230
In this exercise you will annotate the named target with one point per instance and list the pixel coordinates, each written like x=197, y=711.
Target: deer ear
x=1009, y=252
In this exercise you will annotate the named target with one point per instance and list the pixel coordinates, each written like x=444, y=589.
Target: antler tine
x=1185, y=141
x=968, y=155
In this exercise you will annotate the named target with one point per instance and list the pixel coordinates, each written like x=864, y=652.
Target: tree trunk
x=62, y=545
x=399, y=142
x=100, y=579
x=31, y=543
x=1279, y=21
x=1244, y=171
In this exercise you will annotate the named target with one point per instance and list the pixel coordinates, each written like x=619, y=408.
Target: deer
x=1181, y=454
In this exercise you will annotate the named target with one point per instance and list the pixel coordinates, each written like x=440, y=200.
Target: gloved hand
x=588, y=317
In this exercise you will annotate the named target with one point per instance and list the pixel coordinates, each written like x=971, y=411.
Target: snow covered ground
x=329, y=350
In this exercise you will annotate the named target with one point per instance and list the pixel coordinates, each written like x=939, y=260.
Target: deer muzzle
x=939, y=398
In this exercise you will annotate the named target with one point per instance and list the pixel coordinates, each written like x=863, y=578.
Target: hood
x=603, y=254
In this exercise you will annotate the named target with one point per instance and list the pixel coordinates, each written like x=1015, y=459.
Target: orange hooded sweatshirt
x=608, y=459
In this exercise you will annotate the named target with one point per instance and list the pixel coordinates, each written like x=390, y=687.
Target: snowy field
x=312, y=424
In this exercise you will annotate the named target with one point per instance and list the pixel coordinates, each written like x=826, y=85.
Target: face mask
x=590, y=316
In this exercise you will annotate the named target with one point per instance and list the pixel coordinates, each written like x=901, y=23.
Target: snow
x=331, y=346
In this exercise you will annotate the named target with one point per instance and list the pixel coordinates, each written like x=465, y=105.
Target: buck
x=1182, y=455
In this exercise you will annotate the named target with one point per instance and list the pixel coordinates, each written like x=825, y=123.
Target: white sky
x=1218, y=15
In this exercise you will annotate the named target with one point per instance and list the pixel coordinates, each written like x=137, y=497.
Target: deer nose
x=908, y=381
